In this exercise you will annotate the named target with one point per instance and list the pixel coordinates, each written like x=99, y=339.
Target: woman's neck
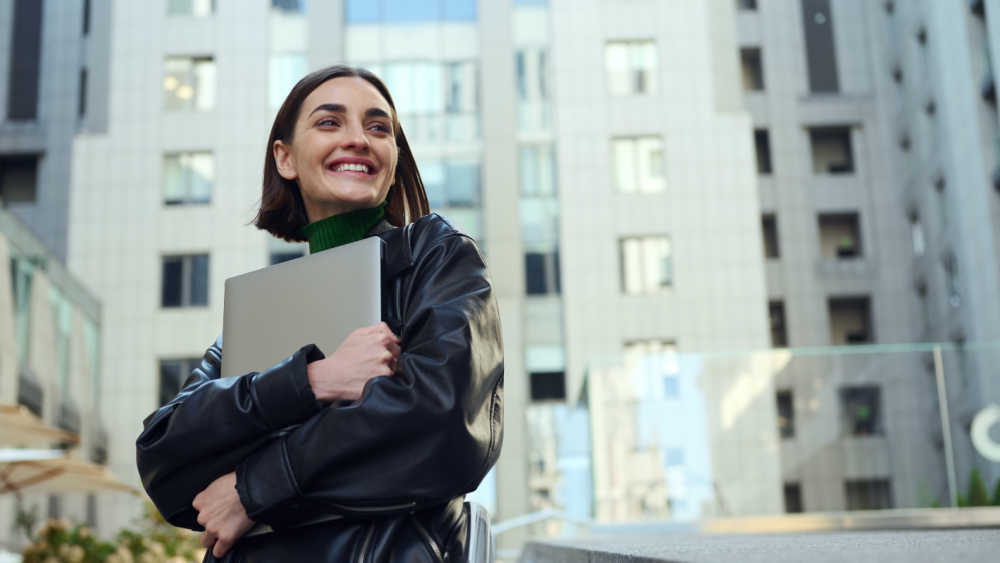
x=345, y=228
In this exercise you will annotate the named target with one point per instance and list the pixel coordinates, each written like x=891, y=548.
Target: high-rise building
x=874, y=130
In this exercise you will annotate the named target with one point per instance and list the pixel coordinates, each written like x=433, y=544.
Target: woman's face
x=344, y=151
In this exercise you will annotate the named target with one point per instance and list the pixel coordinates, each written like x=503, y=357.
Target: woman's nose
x=354, y=137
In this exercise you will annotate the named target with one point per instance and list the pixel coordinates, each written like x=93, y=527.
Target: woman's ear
x=283, y=160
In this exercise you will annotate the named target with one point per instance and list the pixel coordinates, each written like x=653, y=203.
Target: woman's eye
x=327, y=122
x=381, y=128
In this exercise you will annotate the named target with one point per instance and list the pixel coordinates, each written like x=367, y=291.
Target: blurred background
x=747, y=251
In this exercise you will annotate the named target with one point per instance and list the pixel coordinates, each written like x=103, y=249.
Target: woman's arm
x=427, y=434
x=214, y=423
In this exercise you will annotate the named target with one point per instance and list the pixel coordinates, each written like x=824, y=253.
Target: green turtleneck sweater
x=342, y=229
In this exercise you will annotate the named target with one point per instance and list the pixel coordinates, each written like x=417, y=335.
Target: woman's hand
x=367, y=352
x=222, y=514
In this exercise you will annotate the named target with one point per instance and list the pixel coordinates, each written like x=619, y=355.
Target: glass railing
x=685, y=438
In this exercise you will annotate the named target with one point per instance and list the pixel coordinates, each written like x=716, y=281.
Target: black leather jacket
x=395, y=464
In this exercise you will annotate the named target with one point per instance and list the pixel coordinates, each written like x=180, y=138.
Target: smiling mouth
x=352, y=168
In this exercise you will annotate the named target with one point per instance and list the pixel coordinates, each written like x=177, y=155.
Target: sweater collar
x=341, y=229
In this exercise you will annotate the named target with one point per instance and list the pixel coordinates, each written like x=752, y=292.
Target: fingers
x=207, y=539
x=221, y=548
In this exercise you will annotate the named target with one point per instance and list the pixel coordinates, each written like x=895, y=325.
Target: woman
x=365, y=454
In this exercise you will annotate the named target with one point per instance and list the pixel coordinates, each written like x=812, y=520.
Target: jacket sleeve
x=214, y=423
x=427, y=433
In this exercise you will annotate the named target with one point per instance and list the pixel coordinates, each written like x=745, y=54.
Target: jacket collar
x=397, y=257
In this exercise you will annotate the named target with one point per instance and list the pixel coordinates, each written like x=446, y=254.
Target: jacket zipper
x=363, y=555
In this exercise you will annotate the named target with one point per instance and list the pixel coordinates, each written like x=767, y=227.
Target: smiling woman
x=366, y=454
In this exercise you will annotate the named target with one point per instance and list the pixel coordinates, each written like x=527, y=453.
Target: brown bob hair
x=282, y=211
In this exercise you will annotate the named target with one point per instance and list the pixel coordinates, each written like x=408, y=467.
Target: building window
x=762, y=146
x=831, y=150
x=861, y=410
x=290, y=7
x=409, y=11
x=631, y=67
x=81, y=100
x=25, y=60
x=452, y=183
x=284, y=256
x=86, y=17
x=868, y=494
x=746, y=5
x=62, y=327
x=285, y=71
x=646, y=264
x=188, y=178
x=793, y=498
x=19, y=178
x=638, y=164
x=541, y=273
x=189, y=83
x=769, y=226
x=548, y=386
x=436, y=100
x=786, y=414
x=173, y=373
x=821, y=52
x=185, y=281
x=850, y=321
x=753, y=69
x=839, y=236
x=531, y=65
x=195, y=8
x=776, y=317
x=22, y=276
x=537, y=171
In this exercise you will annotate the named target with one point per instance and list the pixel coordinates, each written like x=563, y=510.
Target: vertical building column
x=497, y=98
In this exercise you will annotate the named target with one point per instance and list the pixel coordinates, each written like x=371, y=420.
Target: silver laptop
x=317, y=299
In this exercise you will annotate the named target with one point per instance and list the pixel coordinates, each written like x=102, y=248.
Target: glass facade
x=647, y=264
x=409, y=11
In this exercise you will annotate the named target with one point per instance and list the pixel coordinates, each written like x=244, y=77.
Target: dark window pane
x=534, y=273
x=868, y=494
x=861, y=410
x=289, y=6
x=172, y=282
x=821, y=55
x=786, y=414
x=25, y=60
x=831, y=150
x=199, y=280
x=86, y=19
x=769, y=225
x=793, y=498
x=279, y=257
x=753, y=69
x=171, y=377
x=548, y=386
x=776, y=316
x=762, y=144
x=19, y=179
x=81, y=109
x=557, y=281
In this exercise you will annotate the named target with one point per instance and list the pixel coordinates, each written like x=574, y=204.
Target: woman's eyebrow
x=340, y=108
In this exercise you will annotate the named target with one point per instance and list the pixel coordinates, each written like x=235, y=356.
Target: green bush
x=154, y=541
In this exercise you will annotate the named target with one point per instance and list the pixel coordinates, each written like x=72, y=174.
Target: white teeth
x=349, y=167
